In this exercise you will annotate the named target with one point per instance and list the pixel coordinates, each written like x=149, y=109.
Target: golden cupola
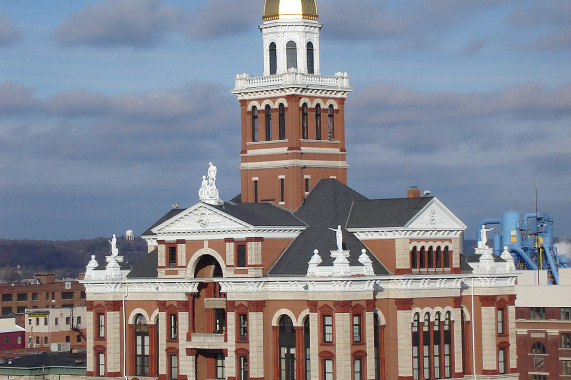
x=290, y=9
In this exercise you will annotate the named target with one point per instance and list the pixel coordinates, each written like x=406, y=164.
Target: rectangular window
x=101, y=325
x=173, y=366
x=357, y=328
x=219, y=367
x=566, y=367
x=358, y=369
x=6, y=310
x=502, y=360
x=20, y=309
x=565, y=340
x=100, y=368
x=282, y=190
x=536, y=313
x=67, y=320
x=242, y=368
x=566, y=313
x=56, y=321
x=415, y=363
x=22, y=296
x=500, y=320
x=37, y=321
x=306, y=184
x=34, y=296
x=78, y=338
x=37, y=340
x=172, y=257
x=45, y=321
x=243, y=326
x=78, y=320
x=327, y=329
x=66, y=295
x=219, y=321
x=255, y=191
x=327, y=369
x=6, y=339
x=7, y=297
x=173, y=326
x=241, y=255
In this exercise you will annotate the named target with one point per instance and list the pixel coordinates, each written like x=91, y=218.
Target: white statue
x=484, y=236
x=114, y=249
x=338, y=237
x=208, y=192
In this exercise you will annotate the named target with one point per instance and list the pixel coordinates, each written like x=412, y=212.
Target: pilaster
x=314, y=340
x=342, y=339
x=457, y=339
x=404, y=333
x=488, y=336
x=256, y=338
x=370, y=342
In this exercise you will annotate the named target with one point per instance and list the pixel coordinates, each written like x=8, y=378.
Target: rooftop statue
x=338, y=237
x=208, y=193
x=114, y=249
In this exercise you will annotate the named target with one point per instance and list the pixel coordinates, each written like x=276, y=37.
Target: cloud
x=134, y=23
x=15, y=98
x=9, y=34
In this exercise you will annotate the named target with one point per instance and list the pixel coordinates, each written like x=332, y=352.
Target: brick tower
x=292, y=117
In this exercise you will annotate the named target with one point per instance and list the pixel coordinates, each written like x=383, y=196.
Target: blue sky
x=110, y=110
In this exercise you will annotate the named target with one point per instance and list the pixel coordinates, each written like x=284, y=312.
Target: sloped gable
x=198, y=218
x=435, y=216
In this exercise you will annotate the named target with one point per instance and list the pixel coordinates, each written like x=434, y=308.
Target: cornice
x=402, y=233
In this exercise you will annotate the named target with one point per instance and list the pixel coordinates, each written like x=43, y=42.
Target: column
x=153, y=350
x=191, y=363
x=488, y=312
x=370, y=337
x=256, y=339
x=404, y=333
x=314, y=339
x=182, y=333
x=113, y=332
x=230, y=360
x=457, y=337
x=162, y=370
x=299, y=353
x=512, y=332
x=342, y=337
x=90, y=339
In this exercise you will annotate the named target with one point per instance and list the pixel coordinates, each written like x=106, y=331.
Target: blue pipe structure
x=512, y=248
x=551, y=263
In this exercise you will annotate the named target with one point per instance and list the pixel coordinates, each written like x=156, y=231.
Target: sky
x=110, y=110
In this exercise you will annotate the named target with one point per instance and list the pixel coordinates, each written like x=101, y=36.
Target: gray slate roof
x=395, y=212
x=327, y=206
x=146, y=267
x=261, y=214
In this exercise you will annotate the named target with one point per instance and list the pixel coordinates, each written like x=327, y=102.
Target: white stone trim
x=293, y=164
x=306, y=101
x=281, y=101
x=331, y=102
x=403, y=233
x=265, y=103
x=136, y=311
x=301, y=317
x=196, y=256
x=281, y=312
x=382, y=321
x=316, y=102
x=252, y=104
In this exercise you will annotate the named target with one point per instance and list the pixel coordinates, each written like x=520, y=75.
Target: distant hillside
x=20, y=259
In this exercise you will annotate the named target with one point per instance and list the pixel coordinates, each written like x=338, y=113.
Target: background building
x=57, y=329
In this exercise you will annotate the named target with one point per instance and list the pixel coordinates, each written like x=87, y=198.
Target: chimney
x=413, y=192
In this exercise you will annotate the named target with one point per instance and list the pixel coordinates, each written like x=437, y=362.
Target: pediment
x=435, y=216
x=200, y=218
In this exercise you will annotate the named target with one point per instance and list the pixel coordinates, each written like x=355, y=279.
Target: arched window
x=414, y=258
x=291, y=55
x=538, y=348
x=437, y=347
x=446, y=258
x=438, y=263
x=318, y=122
x=254, y=124
x=268, y=123
x=304, y=120
x=273, y=59
x=310, y=61
x=426, y=346
x=422, y=258
x=141, y=346
x=306, y=345
x=430, y=262
x=331, y=123
x=287, y=348
x=416, y=346
x=447, y=334
x=282, y=122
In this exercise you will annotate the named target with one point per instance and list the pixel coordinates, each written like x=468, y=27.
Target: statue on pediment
x=208, y=193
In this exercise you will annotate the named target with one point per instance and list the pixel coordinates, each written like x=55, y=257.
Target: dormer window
x=291, y=55
x=310, y=60
x=273, y=59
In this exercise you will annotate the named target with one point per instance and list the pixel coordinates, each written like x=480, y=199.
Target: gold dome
x=290, y=9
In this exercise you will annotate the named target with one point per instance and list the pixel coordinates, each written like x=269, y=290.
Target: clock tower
x=292, y=117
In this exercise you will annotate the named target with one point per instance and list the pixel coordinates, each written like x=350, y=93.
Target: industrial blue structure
x=529, y=239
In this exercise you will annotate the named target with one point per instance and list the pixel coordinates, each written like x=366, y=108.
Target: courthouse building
x=300, y=276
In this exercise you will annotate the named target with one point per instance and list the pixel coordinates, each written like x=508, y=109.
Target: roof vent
x=413, y=192
x=426, y=193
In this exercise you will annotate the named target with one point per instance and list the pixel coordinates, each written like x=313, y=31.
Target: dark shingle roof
x=325, y=207
x=167, y=216
x=50, y=359
x=146, y=267
x=261, y=214
x=395, y=212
